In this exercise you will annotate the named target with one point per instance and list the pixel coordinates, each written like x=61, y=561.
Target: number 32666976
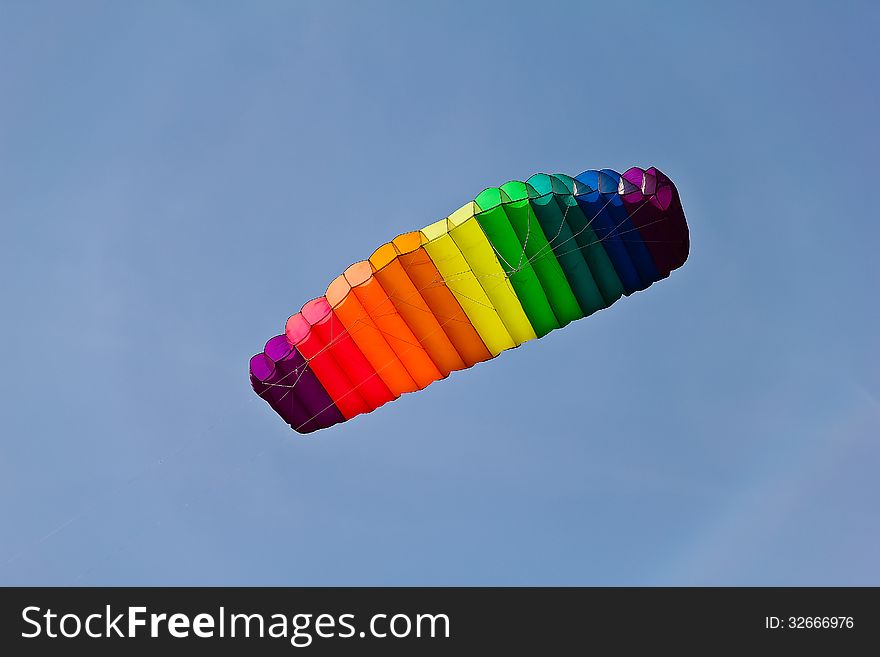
x=809, y=622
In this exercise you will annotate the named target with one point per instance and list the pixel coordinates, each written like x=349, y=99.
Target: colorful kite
x=512, y=265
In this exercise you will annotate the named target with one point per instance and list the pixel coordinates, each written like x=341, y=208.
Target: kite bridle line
x=368, y=322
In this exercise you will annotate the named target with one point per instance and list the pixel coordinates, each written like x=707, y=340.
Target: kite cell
x=517, y=262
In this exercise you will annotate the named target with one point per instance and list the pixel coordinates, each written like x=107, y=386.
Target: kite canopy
x=512, y=265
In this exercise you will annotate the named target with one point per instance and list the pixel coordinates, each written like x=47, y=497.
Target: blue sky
x=176, y=178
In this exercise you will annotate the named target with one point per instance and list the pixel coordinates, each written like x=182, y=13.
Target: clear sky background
x=176, y=178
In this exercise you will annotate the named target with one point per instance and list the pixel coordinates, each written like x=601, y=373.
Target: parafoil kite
x=512, y=265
